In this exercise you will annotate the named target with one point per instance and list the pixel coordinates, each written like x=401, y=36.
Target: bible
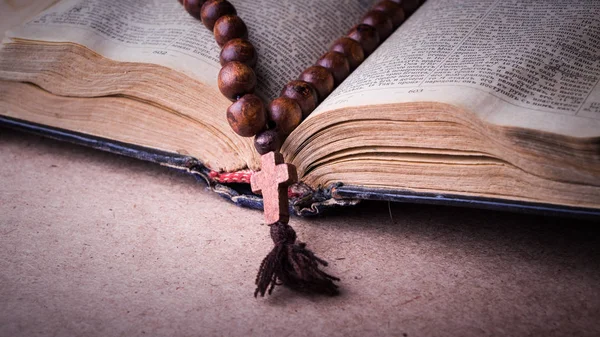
x=484, y=103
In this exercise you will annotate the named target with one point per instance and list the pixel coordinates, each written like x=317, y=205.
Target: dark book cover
x=304, y=201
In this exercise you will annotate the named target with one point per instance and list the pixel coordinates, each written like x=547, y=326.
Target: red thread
x=242, y=177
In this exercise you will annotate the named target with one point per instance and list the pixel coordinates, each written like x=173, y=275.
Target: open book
x=485, y=102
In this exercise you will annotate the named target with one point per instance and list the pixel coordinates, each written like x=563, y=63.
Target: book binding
x=304, y=201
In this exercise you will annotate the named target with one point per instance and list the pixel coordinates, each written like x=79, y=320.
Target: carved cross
x=272, y=182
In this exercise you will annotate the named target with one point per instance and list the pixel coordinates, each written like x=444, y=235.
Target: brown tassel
x=292, y=265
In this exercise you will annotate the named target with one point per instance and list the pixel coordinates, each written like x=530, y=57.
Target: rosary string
x=289, y=263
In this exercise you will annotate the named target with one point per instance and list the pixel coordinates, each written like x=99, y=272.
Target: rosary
x=289, y=263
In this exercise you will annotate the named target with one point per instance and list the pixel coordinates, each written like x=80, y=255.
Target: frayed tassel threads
x=293, y=265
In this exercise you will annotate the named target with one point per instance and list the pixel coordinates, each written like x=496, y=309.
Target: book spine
x=234, y=187
x=304, y=200
x=175, y=161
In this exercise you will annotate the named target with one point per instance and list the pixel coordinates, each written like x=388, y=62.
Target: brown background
x=94, y=244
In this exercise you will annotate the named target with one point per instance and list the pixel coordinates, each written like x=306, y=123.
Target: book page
x=15, y=12
x=289, y=35
x=528, y=64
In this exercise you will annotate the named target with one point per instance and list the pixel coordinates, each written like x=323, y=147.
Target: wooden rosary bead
x=229, y=27
x=193, y=7
x=286, y=114
x=367, y=36
x=236, y=79
x=247, y=115
x=321, y=79
x=303, y=93
x=267, y=141
x=337, y=64
x=239, y=50
x=393, y=10
x=351, y=49
x=381, y=21
x=212, y=10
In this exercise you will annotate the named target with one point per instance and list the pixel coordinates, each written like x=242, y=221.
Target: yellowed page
x=533, y=64
x=289, y=35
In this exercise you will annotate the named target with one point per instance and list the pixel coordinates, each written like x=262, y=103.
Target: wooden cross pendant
x=272, y=182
